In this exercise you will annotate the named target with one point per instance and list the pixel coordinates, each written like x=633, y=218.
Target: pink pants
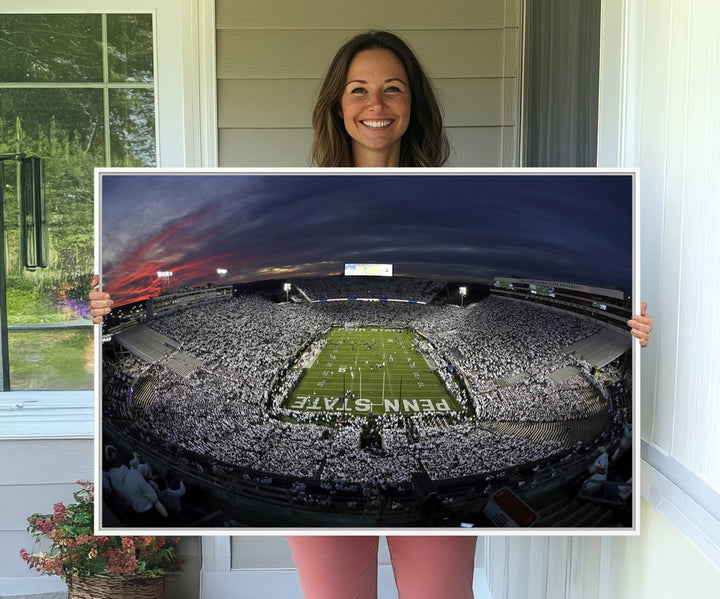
x=346, y=567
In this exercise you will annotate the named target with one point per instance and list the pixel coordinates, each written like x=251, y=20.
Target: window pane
x=66, y=127
x=50, y=48
x=53, y=359
x=132, y=127
x=53, y=121
x=130, y=47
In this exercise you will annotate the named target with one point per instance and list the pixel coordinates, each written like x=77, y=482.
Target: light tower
x=222, y=272
x=286, y=288
x=463, y=293
x=165, y=276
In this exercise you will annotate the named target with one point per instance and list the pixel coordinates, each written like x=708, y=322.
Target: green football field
x=373, y=369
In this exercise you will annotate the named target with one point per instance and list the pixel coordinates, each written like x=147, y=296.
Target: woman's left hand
x=641, y=325
x=100, y=303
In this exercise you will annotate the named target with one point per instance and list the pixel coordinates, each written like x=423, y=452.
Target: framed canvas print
x=339, y=350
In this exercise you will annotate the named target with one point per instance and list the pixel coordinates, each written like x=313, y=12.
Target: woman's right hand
x=100, y=302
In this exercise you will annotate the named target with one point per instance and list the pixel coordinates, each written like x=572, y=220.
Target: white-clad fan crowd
x=370, y=287
x=225, y=409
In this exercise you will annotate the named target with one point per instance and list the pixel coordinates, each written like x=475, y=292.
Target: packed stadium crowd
x=226, y=409
x=318, y=288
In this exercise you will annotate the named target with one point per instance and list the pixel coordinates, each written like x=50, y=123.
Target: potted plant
x=95, y=567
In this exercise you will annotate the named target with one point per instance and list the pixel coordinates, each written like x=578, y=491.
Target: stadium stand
x=206, y=385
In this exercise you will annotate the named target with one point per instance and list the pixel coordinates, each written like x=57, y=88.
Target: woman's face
x=375, y=107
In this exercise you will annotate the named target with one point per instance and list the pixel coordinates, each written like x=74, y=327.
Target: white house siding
x=34, y=475
x=660, y=80
x=271, y=58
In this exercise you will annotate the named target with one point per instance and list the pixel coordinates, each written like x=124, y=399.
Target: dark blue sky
x=574, y=227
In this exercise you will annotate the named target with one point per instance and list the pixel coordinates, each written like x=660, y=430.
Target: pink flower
x=44, y=526
x=128, y=542
x=59, y=512
x=24, y=554
x=121, y=562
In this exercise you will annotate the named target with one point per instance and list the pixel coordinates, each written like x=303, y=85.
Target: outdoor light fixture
x=463, y=293
x=165, y=276
x=286, y=288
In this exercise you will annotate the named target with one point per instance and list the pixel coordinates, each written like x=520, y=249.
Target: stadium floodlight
x=463, y=293
x=221, y=272
x=286, y=288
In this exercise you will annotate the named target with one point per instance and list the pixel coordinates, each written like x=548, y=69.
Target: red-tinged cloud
x=192, y=247
x=134, y=276
x=273, y=227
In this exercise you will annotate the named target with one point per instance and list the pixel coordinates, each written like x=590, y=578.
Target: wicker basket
x=116, y=587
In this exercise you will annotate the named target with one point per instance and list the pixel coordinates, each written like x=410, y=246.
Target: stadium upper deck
x=602, y=303
x=403, y=288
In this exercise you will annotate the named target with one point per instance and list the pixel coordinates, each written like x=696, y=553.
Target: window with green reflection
x=79, y=91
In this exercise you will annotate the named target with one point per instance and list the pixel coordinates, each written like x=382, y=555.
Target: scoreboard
x=368, y=270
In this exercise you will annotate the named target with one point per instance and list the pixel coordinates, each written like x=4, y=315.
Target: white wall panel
x=510, y=101
x=510, y=146
x=271, y=58
x=266, y=103
x=460, y=99
x=511, y=41
x=538, y=567
x=265, y=147
x=652, y=117
x=584, y=568
x=671, y=131
x=475, y=146
x=272, y=53
x=47, y=461
x=667, y=123
x=11, y=564
x=512, y=13
x=260, y=552
x=19, y=501
x=400, y=14
x=519, y=551
x=698, y=377
x=288, y=103
x=260, y=147
x=676, y=26
x=34, y=475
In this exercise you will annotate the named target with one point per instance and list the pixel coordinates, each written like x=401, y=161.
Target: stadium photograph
x=315, y=348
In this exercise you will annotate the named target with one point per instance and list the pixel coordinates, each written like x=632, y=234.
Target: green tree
x=66, y=127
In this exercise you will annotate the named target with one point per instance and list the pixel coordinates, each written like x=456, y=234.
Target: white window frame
x=186, y=129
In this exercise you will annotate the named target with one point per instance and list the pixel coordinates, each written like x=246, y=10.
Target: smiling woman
x=377, y=107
